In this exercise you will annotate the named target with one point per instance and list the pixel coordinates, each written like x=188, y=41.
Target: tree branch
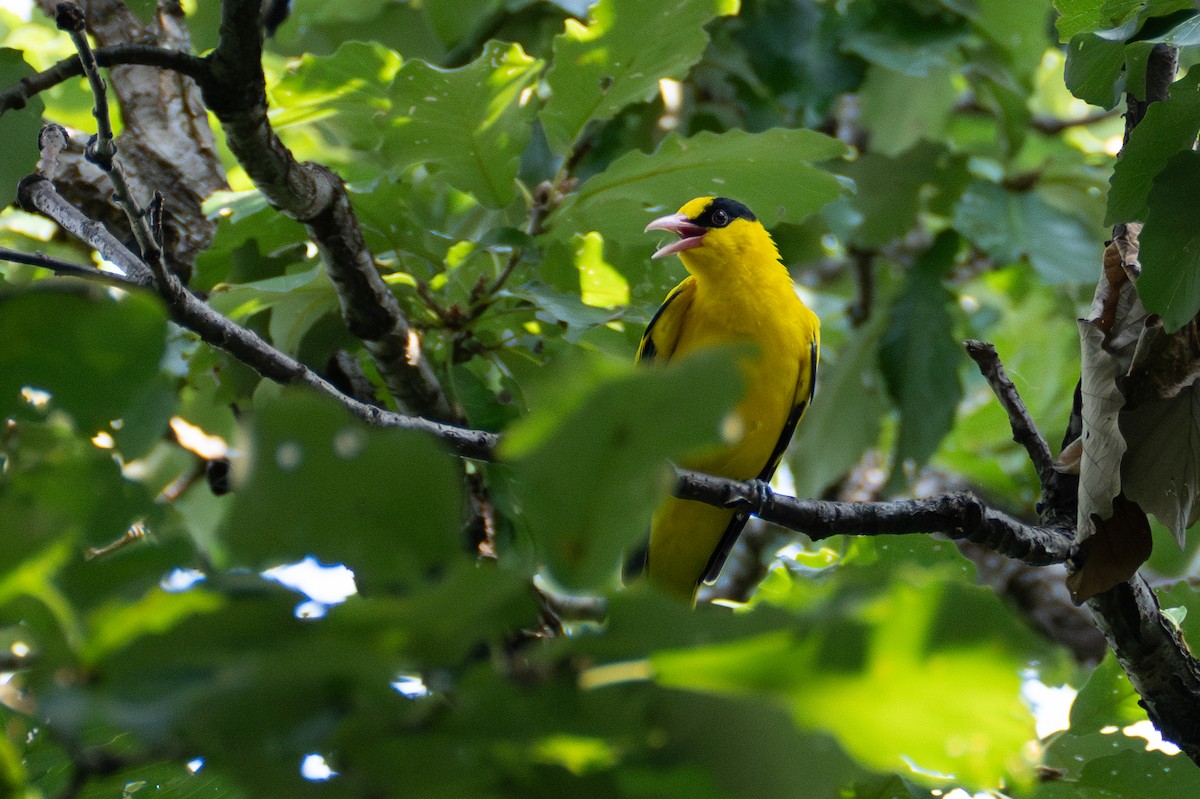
x=234, y=88
x=960, y=516
x=102, y=151
x=17, y=96
x=1024, y=430
x=1153, y=654
x=189, y=311
x=68, y=269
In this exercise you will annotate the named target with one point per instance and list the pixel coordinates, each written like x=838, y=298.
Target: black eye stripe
x=721, y=211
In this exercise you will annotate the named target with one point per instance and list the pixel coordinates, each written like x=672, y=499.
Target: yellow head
x=715, y=233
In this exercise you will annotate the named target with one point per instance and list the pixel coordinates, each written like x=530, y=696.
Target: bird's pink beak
x=690, y=235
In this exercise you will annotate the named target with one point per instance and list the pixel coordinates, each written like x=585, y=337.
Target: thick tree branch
x=234, y=88
x=1156, y=659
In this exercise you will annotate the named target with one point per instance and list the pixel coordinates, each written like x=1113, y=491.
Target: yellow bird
x=736, y=291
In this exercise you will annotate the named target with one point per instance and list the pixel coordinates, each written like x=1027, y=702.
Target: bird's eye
x=720, y=218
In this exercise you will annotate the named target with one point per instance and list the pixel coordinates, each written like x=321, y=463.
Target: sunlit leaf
x=470, y=124
x=618, y=58
x=345, y=94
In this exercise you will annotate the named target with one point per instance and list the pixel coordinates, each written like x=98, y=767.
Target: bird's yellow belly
x=769, y=373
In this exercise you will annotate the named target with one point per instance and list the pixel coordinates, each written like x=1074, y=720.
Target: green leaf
x=1095, y=69
x=919, y=358
x=1078, y=16
x=910, y=43
x=384, y=502
x=452, y=20
x=470, y=124
x=1170, y=243
x=890, y=689
x=1011, y=225
x=96, y=357
x=1167, y=128
x=118, y=624
x=296, y=301
x=826, y=446
x=892, y=191
x=768, y=171
x=1105, y=700
x=19, y=128
x=619, y=57
x=594, y=468
x=345, y=95
x=899, y=110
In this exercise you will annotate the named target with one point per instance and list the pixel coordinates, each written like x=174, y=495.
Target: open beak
x=689, y=235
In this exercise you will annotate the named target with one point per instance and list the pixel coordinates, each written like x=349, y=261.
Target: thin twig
x=102, y=151
x=18, y=95
x=68, y=269
x=1024, y=430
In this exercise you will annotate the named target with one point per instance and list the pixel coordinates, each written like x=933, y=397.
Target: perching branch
x=958, y=516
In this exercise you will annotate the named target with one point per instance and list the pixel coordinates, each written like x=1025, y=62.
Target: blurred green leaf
x=910, y=43
x=1170, y=243
x=619, y=57
x=919, y=357
x=1167, y=128
x=94, y=356
x=889, y=690
x=384, y=502
x=595, y=467
x=892, y=191
x=19, y=128
x=454, y=19
x=900, y=110
x=115, y=626
x=844, y=419
x=469, y=124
